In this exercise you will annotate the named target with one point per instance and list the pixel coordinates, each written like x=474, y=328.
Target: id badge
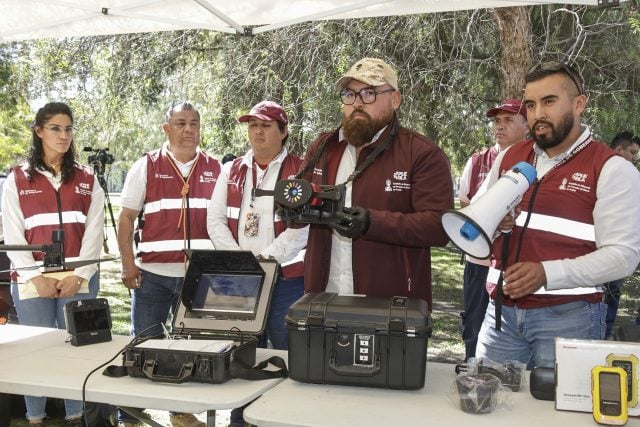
x=251, y=224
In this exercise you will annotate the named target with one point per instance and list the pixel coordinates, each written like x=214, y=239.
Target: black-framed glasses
x=555, y=66
x=367, y=95
x=58, y=131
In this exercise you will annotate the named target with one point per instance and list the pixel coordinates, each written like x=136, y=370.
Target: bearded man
x=572, y=233
x=397, y=184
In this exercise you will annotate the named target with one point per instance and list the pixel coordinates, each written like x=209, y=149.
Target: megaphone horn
x=472, y=228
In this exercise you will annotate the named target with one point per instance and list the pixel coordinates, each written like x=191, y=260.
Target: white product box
x=574, y=361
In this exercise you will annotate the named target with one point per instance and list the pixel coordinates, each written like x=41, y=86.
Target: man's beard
x=361, y=130
x=557, y=135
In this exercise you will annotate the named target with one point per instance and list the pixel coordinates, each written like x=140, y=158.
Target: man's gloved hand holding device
x=352, y=222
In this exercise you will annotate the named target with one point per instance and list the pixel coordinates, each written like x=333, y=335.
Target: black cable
x=135, y=339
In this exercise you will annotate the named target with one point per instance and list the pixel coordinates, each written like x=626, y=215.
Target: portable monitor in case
x=224, y=286
x=224, y=303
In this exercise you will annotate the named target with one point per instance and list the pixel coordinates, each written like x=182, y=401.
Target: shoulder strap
x=237, y=369
x=362, y=166
x=243, y=371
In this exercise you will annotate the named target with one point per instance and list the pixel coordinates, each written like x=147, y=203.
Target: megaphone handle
x=504, y=256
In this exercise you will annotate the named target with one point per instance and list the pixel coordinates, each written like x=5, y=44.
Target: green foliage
x=448, y=65
x=14, y=137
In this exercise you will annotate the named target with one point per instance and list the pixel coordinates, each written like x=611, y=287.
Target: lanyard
x=573, y=152
x=256, y=183
x=367, y=161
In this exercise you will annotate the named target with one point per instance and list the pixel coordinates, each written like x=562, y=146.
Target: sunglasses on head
x=555, y=66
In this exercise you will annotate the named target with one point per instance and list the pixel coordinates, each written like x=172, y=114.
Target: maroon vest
x=164, y=235
x=481, y=163
x=566, y=193
x=235, y=190
x=45, y=209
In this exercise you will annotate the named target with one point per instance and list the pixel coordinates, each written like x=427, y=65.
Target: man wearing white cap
x=509, y=125
x=397, y=184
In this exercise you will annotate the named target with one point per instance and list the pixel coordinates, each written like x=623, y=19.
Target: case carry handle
x=355, y=371
x=185, y=373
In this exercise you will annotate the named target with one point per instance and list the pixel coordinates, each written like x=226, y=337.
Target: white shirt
x=14, y=228
x=465, y=178
x=286, y=247
x=341, y=266
x=132, y=197
x=616, y=210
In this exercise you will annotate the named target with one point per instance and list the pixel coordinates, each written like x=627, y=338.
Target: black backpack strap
x=239, y=369
x=499, y=293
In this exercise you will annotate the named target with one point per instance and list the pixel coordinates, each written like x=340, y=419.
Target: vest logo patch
x=317, y=171
x=29, y=192
x=83, y=189
x=398, y=183
x=575, y=183
x=579, y=177
x=162, y=176
x=207, y=177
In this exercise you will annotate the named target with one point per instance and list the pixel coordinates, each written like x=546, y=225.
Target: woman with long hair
x=52, y=192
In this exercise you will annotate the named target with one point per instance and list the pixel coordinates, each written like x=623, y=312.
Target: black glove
x=352, y=222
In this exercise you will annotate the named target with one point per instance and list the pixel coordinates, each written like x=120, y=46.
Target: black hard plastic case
x=359, y=341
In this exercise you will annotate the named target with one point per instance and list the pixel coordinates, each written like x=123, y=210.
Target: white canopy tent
x=31, y=19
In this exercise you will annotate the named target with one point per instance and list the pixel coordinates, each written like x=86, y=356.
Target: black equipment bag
x=223, y=307
x=359, y=340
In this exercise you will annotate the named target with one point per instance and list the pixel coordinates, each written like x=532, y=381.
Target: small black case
x=359, y=340
x=542, y=383
x=88, y=321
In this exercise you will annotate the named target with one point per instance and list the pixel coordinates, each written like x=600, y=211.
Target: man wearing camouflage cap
x=397, y=184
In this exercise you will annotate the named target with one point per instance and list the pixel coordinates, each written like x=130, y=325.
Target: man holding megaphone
x=571, y=234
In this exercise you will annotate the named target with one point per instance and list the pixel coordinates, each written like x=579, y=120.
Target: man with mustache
x=164, y=198
x=572, y=231
x=509, y=125
x=397, y=184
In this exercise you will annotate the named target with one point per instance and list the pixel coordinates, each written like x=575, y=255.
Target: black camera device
x=88, y=321
x=101, y=156
x=309, y=203
x=508, y=373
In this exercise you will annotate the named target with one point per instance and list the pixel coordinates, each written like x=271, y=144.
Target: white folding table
x=38, y=362
x=292, y=403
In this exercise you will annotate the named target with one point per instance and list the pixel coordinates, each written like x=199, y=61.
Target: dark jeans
x=475, y=301
x=612, y=298
x=285, y=293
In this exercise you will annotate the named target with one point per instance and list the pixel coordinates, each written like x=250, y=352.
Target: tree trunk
x=515, y=48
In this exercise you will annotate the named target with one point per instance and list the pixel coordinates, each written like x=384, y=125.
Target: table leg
x=211, y=418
